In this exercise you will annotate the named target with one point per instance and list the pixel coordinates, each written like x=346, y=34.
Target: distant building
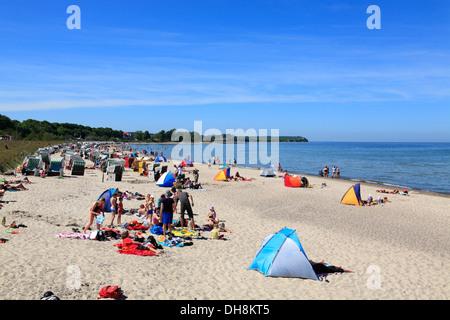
x=127, y=136
x=6, y=137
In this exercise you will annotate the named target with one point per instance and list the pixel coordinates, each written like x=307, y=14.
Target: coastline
x=406, y=229
x=393, y=185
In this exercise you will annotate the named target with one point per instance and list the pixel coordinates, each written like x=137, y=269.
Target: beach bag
x=49, y=296
x=101, y=236
x=98, y=235
x=93, y=235
x=110, y=292
x=157, y=230
x=100, y=219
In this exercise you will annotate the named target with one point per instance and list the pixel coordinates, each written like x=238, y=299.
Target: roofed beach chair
x=30, y=165
x=56, y=167
x=78, y=166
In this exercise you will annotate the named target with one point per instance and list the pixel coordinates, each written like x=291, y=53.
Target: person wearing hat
x=211, y=217
x=149, y=205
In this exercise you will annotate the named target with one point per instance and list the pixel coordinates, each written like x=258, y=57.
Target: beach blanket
x=173, y=242
x=134, y=225
x=73, y=235
x=133, y=249
x=184, y=233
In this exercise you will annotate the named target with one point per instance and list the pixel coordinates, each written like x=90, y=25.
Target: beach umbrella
x=224, y=166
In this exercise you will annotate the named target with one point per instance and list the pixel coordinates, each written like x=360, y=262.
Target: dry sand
x=398, y=250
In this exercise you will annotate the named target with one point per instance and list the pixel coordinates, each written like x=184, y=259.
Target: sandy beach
x=398, y=250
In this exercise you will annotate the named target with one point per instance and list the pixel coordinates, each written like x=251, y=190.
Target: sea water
x=423, y=166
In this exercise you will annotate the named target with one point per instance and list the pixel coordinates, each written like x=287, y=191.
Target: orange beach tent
x=292, y=181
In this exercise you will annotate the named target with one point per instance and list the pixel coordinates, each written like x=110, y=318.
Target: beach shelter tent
x=108, y=195
x=186, y=163
x=222, y=175
x=353, y=196
x=292, y=181
x=281, y=255
x=160, y=159
x=267, y=172
x=166, y=180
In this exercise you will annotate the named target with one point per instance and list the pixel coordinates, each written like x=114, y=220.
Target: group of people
x=13, y=185
x=159, y=213
x=185, y=182
x=335, y=172
x=238, y=177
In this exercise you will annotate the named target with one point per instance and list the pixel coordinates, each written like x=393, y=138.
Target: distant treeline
x=33, y=130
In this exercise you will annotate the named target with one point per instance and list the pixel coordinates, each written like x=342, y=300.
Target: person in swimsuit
x=97, y=208
x=113, y=208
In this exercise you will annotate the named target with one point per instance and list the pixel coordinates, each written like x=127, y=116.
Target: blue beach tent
x=282, y=255
x=166, y=180
x=108, y=195
x=160, y=159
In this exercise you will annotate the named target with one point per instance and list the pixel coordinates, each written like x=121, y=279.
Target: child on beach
x=113, y=202
x=215, y=234
x=119, y=211
x=142, y=212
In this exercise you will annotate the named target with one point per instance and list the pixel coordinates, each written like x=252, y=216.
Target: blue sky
x=309, y=68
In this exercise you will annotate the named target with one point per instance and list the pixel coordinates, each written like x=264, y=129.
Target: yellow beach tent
x=353, y=196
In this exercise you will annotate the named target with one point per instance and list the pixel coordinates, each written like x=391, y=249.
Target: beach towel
x=100, y=219
x=133, y=249
x=173, y=242
x=184, y=233
x=134, y=225
x=73, y=235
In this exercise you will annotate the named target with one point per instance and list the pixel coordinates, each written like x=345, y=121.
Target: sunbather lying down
x=395, y=191
x=322, y=268
x=7, y=186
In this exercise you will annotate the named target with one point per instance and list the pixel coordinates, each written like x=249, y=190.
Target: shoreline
x=406, y=229
x=345, y=179
x=382, y=184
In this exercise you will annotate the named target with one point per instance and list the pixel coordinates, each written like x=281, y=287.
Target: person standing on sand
x=113, y=202
x=185, y=205
x=168, y=206
x=97, y=207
